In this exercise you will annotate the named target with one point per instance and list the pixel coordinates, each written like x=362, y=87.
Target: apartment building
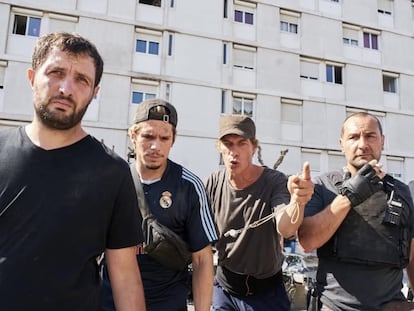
x=297, y=67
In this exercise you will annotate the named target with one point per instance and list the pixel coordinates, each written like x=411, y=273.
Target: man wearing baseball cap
x=177, y=198
x=254, y=208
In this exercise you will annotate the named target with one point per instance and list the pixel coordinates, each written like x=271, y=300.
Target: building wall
x=206, y=59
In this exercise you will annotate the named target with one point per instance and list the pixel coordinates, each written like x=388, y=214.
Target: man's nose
x=234, y=151
x=362, y=142
x=66, y=87
x=155, y=144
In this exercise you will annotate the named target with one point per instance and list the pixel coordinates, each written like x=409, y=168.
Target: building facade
x=297, y=67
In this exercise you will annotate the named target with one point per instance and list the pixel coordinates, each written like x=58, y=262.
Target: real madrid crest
x=166, y=200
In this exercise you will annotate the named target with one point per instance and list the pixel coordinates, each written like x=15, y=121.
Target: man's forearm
x=126, y=282
x=203, y=275
x=316, y=230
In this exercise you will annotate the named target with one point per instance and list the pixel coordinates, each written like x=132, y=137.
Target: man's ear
x=132, y=135
x=96, y=90
x=30, y=76
x=340, y=143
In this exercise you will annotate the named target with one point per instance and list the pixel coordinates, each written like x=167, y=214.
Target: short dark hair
x=362, y=114
x=71, y=43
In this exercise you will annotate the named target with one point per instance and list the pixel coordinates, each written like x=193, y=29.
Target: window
x=385, y=7
x=243, y=104
x=225, y=9
x=59, y=22
x=170, y=44
x=26, y=25
x=143, y=89
x=350, y=35
x=291, y=119
x=336, y=161
x=291, y=110
x=144, y=46
x=370, y=40
x=172, y=4
x=3, y=65
x=333, y=73
x=151, y=2
x=314, y=159
x=138, y=97
x=148, y=41
x=395, y=167
x=243, y=17
x=309, y=69
x=350, y=41
x=224, y=53
x=244, y=57
x=381, y=116
x=244, y=12
x=168, y=87
x=288, y=27
x=223, y=101
x=412, y=8
x=289, y=21
x=389, y=82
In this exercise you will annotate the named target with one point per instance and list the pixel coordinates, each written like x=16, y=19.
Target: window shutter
x=309, y=69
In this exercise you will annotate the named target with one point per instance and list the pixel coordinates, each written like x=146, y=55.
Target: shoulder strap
x=142, y=202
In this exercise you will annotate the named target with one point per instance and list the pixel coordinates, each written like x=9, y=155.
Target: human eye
x=352, y=137
x=83, y=79
x=244, y=142
x=372, y=136
x=56, y=72
x=146, y=136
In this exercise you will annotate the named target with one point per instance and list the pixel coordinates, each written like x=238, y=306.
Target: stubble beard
x=153, y=167
x=58, y=120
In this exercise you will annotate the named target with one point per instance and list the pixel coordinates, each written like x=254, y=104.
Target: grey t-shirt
x=255, y=251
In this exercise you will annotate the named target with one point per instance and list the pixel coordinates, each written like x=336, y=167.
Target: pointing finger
x=306, y=171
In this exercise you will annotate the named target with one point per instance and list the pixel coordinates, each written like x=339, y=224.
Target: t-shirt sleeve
x=280, y=195
x=321, y=198
x=125, y=228
x=201, y=229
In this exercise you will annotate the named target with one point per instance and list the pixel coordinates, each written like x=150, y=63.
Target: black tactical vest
x=363, y=236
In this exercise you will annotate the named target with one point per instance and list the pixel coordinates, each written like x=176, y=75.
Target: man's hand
x=301, y=189
x=361, y=186
x=300, y=186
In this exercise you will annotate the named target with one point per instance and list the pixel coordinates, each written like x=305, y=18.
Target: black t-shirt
x=59, y=210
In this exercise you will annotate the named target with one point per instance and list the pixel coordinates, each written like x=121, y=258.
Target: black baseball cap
x=156, y=109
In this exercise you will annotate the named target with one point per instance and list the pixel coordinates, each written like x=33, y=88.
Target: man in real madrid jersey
x=177, y=198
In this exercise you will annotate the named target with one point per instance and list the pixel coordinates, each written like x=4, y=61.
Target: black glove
x=361, y=186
